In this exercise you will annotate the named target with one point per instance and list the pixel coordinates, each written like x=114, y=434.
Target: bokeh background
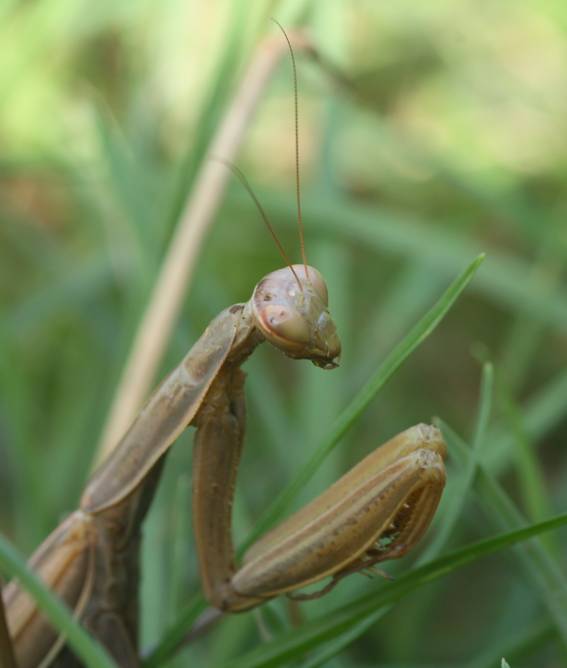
x=440, y=133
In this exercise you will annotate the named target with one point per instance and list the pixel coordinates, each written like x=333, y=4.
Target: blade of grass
x=14, y=566
x=174, y=637
x=458, y=500
x=529, y=470
x=344, y=639
x=485, y=405
x=17, y=412
x=520, y=348
x=212, y=110
x=524, y=643
x=539, y=567
x=352, y=412
x=406, y=296
x=541, y=413
x=132, y=195
x=294, y=643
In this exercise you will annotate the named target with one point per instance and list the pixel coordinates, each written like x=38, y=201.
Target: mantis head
x=291, y=310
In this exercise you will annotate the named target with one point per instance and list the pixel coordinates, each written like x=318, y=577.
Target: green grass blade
x=409, y=293
x=331, y=648
x=298, y=641
x=352, y=412
x=533, y=487
x=539, y=567
x=484, y=409
x=516, y=648
x=212, y=110
x=542, y=412
x=14, y=566
x=175, y=635
x=461, y=496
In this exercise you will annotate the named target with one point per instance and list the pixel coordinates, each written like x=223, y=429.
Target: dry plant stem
x=178, y=266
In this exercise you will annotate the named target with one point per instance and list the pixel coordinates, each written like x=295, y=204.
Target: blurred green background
x=447, y=137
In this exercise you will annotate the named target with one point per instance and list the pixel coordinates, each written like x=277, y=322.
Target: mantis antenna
x=244, y=181
x=297, y=179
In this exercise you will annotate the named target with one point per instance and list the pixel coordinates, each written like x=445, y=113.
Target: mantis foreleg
x=377, y=511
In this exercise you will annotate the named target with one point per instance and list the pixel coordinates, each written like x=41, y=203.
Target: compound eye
x=319, y=285
x=323, y=321
x=285, y=323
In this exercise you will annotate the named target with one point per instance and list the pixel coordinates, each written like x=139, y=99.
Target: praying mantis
x=377, y=511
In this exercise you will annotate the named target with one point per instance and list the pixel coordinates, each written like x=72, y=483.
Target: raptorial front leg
x=216, y=457
x=379, y=510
